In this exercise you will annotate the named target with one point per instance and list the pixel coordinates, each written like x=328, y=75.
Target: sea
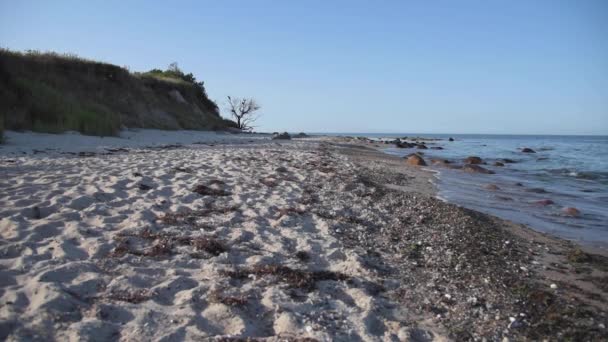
x=571, y=171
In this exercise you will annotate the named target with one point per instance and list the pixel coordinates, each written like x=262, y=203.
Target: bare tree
x=243, y=112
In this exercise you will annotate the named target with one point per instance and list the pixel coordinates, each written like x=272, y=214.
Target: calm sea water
x=572, y=171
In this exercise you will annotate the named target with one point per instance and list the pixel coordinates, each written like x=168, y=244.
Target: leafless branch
x=243, y=112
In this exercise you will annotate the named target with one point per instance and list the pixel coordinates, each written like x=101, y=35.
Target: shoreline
x=446, y=171
x=310, y=238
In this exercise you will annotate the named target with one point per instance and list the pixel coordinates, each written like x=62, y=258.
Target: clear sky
x=355, y=66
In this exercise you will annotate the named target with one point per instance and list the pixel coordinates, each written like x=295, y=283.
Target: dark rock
x=282, y=136
x=421, y=146
x=476, y=169
x=492, y=187
x=527, y=150
x=416, y=160
x=403, y=144
x=451, y=139
x=507, y=161
x=301, y=135
x=577, y=255
x=436, y=148
x=537, y=190
x=498, y=164
x=473, y=160
x=544, y=202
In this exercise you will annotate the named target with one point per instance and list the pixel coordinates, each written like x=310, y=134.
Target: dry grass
x=49, y=92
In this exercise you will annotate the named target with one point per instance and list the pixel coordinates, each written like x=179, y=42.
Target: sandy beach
x=226, y=237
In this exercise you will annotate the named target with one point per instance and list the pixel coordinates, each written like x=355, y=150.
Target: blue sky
x=527, y=67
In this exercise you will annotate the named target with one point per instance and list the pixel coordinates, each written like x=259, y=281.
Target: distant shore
x=193, y=235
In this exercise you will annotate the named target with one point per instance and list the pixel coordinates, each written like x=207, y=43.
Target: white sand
x=62, y=216
x=18, y=143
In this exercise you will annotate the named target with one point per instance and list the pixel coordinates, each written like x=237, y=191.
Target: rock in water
x=544, y=202
x=571, y=211
x=527, y=150
x=499, y=164
x=492, y=187
x=473, y=160
x=451, y=139
x=414, y=159
x=476, y=169
x=440, y=162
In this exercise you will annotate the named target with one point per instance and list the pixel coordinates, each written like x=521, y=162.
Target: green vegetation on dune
x=47, y=92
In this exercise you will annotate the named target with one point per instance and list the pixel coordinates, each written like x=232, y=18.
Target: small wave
x=588, y=175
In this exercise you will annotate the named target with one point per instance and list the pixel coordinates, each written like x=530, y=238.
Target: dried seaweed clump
x=577, y=255
x=205, y=190
x=163, y=246
x=294, y=278
x=219, y=297
x=209, y=245
x=130, y=296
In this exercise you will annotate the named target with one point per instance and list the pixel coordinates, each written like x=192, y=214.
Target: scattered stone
x=403, y=144
x=436, y=148
x=498, y=164
x=476, y=169
x=282, y=136
x=571, y=211
x=416, y=160
x=492, y=187
x=527, y=150
x=473, y=160
x=544, y=202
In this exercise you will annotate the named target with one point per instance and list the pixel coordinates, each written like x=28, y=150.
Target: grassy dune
x=48, y=92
